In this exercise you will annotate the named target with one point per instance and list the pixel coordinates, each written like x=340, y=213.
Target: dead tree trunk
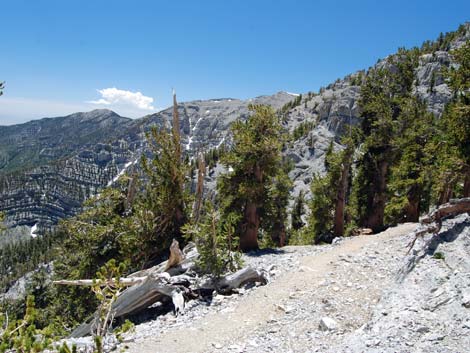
x=154, y=288
x=201, y=166
x=433, y=222
x=176, y=255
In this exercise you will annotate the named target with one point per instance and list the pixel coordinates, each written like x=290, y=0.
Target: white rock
x=328, y=324
x=466, y=300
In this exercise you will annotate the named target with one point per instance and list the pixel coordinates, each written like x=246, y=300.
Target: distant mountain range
x=48, y=167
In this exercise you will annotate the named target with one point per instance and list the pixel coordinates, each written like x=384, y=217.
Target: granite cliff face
x=49, y=166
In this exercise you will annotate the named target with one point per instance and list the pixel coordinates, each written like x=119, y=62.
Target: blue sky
x=58, y=57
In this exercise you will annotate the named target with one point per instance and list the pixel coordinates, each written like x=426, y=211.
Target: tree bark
x=249, y=238
x=412, y=211
x=452, y=208
x=466, y=185
x=433, y=221
x=154, y=288
x=338, y=227
x=446, y=192
x=375, y=218
x=201, y=166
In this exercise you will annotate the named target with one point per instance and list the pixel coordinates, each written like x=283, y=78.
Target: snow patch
x=33, y=231
x=208, y=111
x=197, y=122
x=190, y=141
x=121, y=172
x=221, y=142
x=293, y=94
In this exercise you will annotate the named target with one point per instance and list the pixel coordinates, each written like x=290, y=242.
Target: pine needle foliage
x=216, y=241
x=411, y=175
x=254, y=160
x=165, y=203
x=22, y=335
x=329, y=193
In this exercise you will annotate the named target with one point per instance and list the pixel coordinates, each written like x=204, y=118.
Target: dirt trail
x=333, y=283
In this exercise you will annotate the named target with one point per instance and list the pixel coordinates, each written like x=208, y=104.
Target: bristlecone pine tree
x=382, y=95
x=329, y=193
x=165, y=205
x=455, y=123
x=254, y=163
x=410, y=177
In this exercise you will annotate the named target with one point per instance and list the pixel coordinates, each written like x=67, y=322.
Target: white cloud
x=114, y=96
x=16, y=110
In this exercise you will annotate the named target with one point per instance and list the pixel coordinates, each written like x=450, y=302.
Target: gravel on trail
x=343, y=297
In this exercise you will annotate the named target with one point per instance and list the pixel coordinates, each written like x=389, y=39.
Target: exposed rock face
x=49, y=166
x=205, y=124
x=46, y=194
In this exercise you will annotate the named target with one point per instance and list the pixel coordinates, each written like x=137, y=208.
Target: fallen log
x=452, y=208
x=234, y=280
x=139, y=297
x=432, y=223
x=169, y=279
x=154, y=288
x=91, y=282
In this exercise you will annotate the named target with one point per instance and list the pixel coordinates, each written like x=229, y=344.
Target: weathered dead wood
x=139, y=297
x=159, y=282
x=91, y=282
x=239, y=278
x=200, y=186
x=154, y=288
x=190, y=256
x=433, y=221
x=235, y=280
x=452, y=208
x=176, y=255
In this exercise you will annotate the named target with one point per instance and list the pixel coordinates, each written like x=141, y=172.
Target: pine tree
x=410, y=177
x=253, y=163
x=274, y=214
x=456, y=119
x=216, y=240
x=124, y=225
x=382, y=96
x=329, y=194
x=164, y=206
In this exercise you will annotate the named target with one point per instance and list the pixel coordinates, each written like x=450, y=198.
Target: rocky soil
x=361, y=294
